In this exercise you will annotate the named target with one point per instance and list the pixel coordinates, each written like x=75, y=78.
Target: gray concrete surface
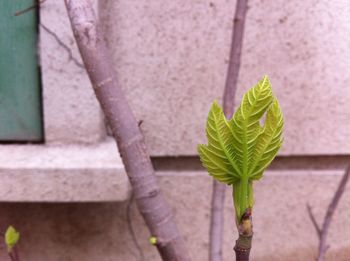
x=66, y=173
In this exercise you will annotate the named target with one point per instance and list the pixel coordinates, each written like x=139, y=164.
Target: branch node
x=313, y=220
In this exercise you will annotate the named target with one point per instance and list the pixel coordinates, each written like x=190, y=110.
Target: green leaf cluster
x=240, y=149
x=11, y=238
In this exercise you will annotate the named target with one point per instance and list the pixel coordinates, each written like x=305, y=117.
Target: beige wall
x=171, y=58
x=99, y=231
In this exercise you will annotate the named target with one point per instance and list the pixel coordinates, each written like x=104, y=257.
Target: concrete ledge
x=70, y=173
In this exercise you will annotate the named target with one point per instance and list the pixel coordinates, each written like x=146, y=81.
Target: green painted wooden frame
x=20, y=98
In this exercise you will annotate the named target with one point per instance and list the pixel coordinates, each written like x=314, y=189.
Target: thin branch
x=30, y=8
x=329, y=215
x=313, y=220
x=235, y=56
x=150, y=201
x=12, y=257
x=217, y=221
x=16, y=253
x=131, y=229
x=218, y=197
x=63, y=45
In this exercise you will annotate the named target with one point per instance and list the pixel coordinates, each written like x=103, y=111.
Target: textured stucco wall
x=71, y=111
x=283, y=230
x=171, y=58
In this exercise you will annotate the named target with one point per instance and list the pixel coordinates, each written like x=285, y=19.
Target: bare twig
x=34, y=6
x=150, y=201
x=131, y=229
x=218, y=198
x=313, y=220
x=12, y=257
x=217, y=221
x=235, y=56
x=63, y=45
x=16, y=253
x=13, y=254
x=322, y=248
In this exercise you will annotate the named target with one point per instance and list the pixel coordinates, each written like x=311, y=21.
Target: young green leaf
x=11, y=237
x=153, y=240
x=240, y=149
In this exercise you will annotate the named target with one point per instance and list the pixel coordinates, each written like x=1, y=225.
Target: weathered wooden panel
x=20, y=106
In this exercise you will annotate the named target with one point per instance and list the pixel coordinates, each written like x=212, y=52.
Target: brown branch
x=244, y=241
x=217, y=221
x=313, y=220
x=149, y=199
x=12, y=257
x=322, y=248
x=235, y=57
x=30, y=8
x=16, y=253
x=13, y=254
x=218, y=197
x=63, y=45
